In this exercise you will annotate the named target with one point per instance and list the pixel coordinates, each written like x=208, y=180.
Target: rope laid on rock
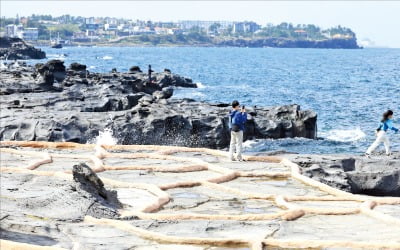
x=290, y=211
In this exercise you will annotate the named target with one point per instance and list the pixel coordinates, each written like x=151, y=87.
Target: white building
x=188, y=24
x=90, y=20
x=13, y=30
x=243, y=27
x=29, y=34
x=110, y=27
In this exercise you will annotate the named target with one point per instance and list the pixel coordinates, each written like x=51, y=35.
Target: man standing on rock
x=149, y=73
x=237, y=119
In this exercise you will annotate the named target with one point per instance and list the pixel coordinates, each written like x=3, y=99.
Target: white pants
x=236, y=141
x=381, y=137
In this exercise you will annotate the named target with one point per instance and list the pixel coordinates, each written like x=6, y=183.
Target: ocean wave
x=262, y=145
x=107, y=58
x=105, y=137
x=2, y=65
x=343, y=135
x=57, y=56
x=200, y=85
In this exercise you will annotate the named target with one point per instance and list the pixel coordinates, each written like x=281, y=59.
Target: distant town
x=72, y=30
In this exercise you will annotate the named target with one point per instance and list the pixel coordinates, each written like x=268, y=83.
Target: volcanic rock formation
x=48, y=102
x=378, y=176
x=178, y=198
x=16, y=48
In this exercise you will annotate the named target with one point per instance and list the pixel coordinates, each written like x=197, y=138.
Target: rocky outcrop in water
x=49, y=102
x=378, y=176
x=16, y=48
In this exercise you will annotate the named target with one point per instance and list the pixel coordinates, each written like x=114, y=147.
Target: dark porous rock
x=45, y=80
x=77, y=67
x=16, y=49
x=56, y=68
x=164, y=94
x=143, y=112
x=135, y=69
x=47, y=73
x=379, y=175
x=88, y=180
x=286, y=121
x=105, y=202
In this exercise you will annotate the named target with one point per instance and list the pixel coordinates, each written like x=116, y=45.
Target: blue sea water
x=349, y=89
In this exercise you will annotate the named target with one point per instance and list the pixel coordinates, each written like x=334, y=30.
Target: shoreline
x=267, y=42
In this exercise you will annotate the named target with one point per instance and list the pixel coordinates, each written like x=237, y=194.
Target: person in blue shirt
x=381, y=133
x=237, y=120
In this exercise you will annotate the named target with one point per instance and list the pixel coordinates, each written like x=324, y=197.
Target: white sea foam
x=340, y=135
x=107, y=57
x=106, y=138
x=56, y=56
x=2, y=65
x=15, y=65
x=200, y=85
x=256, y=145
x=92, y=67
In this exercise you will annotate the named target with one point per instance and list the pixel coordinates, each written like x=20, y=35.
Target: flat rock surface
x=179, y=198
x=376, y=175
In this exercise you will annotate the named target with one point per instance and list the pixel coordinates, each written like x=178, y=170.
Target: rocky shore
x=254, y=42
x=52, y=102
x=17, y=49
x=82, y=196
x=58, y=194
x=377, y=176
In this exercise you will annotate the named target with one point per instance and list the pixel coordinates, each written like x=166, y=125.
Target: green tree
x=214, y=27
